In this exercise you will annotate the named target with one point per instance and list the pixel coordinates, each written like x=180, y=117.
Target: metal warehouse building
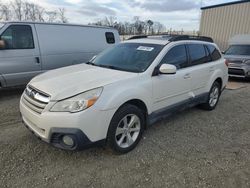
x=221, y=22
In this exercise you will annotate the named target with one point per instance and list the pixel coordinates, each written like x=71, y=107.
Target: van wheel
x=125, y=129
x=213, y=97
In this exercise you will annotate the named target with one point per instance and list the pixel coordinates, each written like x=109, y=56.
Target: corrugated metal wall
x=222, y=23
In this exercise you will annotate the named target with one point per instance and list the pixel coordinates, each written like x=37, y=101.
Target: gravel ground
x=192, y=149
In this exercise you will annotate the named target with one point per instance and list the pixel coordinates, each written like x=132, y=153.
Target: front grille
x=239, y=72
x=35, y=100
x=236, y=61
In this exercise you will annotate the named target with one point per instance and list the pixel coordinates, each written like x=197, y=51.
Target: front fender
x=117, y=94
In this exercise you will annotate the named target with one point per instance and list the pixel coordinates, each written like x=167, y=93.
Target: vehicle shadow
x=234, y=79
x=11, y=92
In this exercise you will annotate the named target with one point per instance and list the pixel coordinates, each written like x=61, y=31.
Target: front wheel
x=213, y=97
x=126, y=129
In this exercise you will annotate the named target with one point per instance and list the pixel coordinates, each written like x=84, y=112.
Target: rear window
x=197, y=54
x=238, y=50
x=214, y=52
x=110, y=37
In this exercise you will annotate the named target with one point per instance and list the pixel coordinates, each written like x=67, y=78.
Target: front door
x=20, y=58
x=172, y=89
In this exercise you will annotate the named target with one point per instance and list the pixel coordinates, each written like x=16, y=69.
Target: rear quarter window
x=214, y=52
x=110, y=37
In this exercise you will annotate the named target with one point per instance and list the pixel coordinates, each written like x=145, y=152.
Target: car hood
x=69, y=81
x=237, y=58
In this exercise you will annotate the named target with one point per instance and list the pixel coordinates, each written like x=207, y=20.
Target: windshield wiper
x=99, y=65
x=91, y=63
x=107, y=66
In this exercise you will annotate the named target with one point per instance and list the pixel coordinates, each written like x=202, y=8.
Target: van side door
x=20, y=58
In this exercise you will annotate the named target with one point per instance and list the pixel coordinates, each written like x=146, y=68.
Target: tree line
x=21, y=10
x=136, y=27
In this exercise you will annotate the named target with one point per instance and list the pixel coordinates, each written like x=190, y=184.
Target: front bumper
x=239, y=72
x=81, y=141
x=88, y=127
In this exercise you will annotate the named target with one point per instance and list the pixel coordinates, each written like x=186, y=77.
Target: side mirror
x=167, y=69
x=2, y=44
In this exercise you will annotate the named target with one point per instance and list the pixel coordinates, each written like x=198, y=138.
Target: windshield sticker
x=145, y=48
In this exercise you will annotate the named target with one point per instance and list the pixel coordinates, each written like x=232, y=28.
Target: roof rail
x=173, y=38
x=138, y=37
x=190, y=37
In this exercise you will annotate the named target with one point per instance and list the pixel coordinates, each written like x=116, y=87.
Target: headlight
x=79, y=102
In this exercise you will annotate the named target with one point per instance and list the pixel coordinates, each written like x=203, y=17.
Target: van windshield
x=238, y=50
x=131, y=57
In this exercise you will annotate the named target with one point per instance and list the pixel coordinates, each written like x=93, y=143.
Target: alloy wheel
x=128, y=130
x=214, y=96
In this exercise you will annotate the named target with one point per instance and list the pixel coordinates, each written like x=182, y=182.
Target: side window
x=176, y=56
x=110, y=38
x=208, y=55
x=18, y=37
x=215, y=54
x=197, y=54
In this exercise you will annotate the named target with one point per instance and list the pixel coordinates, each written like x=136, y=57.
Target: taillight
x=226, y=62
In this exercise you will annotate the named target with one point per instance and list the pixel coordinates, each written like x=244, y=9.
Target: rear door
x=20, y=59
x=200, y=68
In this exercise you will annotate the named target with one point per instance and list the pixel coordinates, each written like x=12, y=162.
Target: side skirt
x=170, y=110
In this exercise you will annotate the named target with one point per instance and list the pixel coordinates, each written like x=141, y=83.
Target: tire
x=125, y=129
x=213, y=97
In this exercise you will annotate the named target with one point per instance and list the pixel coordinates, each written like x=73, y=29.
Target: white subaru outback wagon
x=115, y=96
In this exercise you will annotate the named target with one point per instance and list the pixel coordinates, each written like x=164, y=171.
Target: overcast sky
x=175, y=14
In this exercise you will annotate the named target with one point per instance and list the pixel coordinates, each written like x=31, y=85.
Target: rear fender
x=217, y=74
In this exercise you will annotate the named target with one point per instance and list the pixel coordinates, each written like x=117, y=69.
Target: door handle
x=187, y=76
x=37, y=60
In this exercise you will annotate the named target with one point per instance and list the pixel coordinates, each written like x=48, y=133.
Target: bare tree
x=61, y=14
x=51, y=16
x=17, y=6
x=150, y=23
x=158, y=28
x=5, y=13
x=22, y=10
x=109, y=21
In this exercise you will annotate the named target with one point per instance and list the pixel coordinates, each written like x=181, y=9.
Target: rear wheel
x=213, y=97
x=126, y=129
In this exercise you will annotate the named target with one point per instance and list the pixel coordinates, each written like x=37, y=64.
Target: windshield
x=131, y=57
x=238, y=50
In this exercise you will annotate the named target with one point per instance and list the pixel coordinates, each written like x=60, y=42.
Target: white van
x=30, y=48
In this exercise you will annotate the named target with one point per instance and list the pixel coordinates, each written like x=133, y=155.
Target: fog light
x=68, y=140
